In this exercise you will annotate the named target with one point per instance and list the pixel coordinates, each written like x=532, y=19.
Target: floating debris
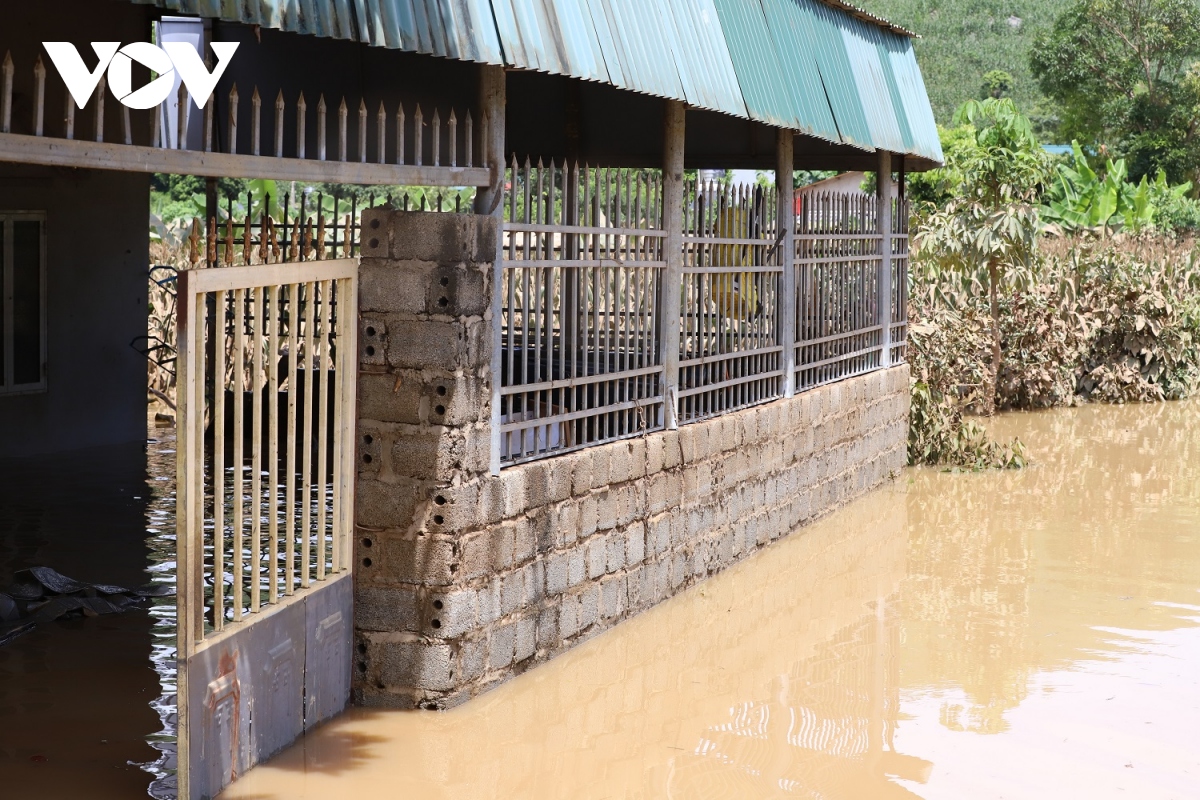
x=39, y=595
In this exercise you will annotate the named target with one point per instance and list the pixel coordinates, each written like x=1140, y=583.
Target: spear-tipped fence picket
x=376, y=144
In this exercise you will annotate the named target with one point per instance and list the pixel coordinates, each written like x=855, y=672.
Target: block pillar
x=424, y=433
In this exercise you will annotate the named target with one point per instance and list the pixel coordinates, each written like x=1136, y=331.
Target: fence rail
x=582, y=295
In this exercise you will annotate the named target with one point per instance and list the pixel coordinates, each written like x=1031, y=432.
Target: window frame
x=7, y=388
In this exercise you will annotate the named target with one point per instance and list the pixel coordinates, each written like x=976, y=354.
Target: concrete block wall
x=465, y=579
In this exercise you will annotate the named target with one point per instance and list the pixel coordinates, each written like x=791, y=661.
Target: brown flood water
x=1031, y=634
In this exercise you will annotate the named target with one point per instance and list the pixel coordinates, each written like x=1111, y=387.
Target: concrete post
x=784, y=147
x=490, y=202
x=424, y=427
x=672, y=280
x=883, y=188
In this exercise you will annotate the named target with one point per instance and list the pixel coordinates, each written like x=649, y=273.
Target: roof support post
x=786, y=242
x=674, y=114
x=883, y=189
x=490, y=202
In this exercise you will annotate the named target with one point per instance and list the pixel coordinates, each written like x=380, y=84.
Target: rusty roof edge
x=867, y=16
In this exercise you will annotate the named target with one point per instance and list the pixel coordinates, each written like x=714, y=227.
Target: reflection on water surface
x=1028, y=634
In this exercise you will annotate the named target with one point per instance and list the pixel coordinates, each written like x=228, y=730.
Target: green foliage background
x=961, y=40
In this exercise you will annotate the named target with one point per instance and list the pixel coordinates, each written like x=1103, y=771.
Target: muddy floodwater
x=1031, y=634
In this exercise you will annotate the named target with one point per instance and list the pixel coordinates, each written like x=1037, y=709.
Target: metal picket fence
x=582, y=290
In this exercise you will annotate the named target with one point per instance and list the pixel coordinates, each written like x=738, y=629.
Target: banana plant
x=1079, y=199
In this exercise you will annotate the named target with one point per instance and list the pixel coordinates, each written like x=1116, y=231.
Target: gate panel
x=265, y=489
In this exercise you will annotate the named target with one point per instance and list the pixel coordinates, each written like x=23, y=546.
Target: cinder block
x=581, y=472
x=416, y=665
x=472, y=658
x=422, y=561
x=452, y=614
x=385, y=609
x=537, y=483
x=502, y=646
x=672, y=449
x=596, y=557
x=589, y=513
x=612, y=597
x=524, y=542
x=557, y=573
x=526, y=638
x=422, y=343
x=535, y=583
x=577, y=566
x=561, y=479
x=512, y=592
x=654, y=453
x=503, y=540
x=489, y=602
x=615, y=547
x=637, y=458
x=606, y=511
x=513, y=481
x=547, y=628
x=619, y=463
x=566, y=523
x=387, y=505
x=635, y=543
x=476, y=555
x=568, y=617
x=600, y=465
x=589, y=606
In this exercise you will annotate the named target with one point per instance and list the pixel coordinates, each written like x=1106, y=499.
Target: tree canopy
x=1126, y=76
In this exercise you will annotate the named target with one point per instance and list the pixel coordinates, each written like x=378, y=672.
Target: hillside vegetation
x=961, y=40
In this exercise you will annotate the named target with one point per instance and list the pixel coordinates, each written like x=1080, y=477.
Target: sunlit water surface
x=1030, y=634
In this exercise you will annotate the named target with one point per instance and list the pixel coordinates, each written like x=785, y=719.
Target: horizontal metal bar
x=558, y=451
x=878, y=348
x=570, y=263
x=48, y=151
x=806, y=237
x=687, y=239
x=765, y=270
x=711, y=387
x=216, y=638
x=530, y=227
x=230, y=278
x=715, y=359
x=834, y=336
x=809, y=261
x=583, y=380
x=574, y=415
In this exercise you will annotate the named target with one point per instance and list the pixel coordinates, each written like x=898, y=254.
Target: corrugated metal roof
x=821, y=67
x=913, y=98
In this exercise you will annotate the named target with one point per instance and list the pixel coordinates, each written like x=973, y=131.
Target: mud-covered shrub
x=1040, y=348
x=1110, y=319
x=949, y=350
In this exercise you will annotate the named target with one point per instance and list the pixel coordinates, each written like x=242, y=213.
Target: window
x=22, y=302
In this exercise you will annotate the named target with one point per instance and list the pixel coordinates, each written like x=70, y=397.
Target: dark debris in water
x=39, y=595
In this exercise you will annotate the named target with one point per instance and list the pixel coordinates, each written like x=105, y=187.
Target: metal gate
x=265, y=496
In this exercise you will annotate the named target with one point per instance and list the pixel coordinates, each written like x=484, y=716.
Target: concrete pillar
x=493, y=100
x=786, y=200
x=883, y=189
x=672, y=281
x=424, y=431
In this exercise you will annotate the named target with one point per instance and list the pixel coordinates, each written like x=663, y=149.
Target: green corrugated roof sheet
x=821, y=67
